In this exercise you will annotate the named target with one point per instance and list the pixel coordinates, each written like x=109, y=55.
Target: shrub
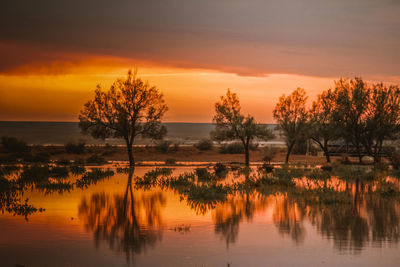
x=204, y=144
x=267, y=167
x=220, y=170
x=166, y=146
x=13, y=145
x=72, y=148
x=269, y=154
x=232, y=148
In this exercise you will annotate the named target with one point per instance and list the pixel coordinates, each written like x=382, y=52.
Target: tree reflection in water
x=351, y=226
x=353, y=214
x=357, y=218
x=234, y=210
x=129, y=222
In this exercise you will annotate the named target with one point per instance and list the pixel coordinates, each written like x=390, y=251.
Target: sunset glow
x=49, y=69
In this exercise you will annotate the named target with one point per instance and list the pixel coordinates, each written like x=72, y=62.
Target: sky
x=54, y=53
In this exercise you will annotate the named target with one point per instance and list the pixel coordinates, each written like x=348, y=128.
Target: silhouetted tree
x=382, y=118
x=130, y=108
x=291, y=115
x=323, y=128
x=230, y=124
x=352, y=99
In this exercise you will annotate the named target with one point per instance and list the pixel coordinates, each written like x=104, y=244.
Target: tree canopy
x=130, y=108
x=291, y=114
x=231, y=124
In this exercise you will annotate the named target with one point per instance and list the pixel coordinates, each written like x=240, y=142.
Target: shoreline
x=184, y=155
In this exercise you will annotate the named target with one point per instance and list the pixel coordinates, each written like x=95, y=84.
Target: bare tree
x=291, y=115
x=230, y=124
x=130, y=108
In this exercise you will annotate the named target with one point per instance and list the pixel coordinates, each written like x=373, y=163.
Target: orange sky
x=189, y=93
x=39, y=95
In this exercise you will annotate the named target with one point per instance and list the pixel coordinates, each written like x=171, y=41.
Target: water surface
x=118, y=221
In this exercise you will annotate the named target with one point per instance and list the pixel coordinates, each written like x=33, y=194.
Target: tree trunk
x=325, y=149
x=130, y=155
x=327, y=156
x=247, y=155
x=290, y=147
x=359, y=152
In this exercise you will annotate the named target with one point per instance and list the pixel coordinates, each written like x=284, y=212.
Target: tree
x=230, y=124
x=352, y=98
x=382, y=118
x=291, y=115
x=322, y=127
x=130, y=108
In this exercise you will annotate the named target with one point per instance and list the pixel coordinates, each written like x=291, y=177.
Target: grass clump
x=59, y=172
x=220, y=170
x=151, y=177
x=77, y=169
x=59, y=186
x=203, y=174
x=34, y=174
x=93, y=177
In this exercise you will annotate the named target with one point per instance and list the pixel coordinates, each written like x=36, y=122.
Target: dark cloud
x=322, y=38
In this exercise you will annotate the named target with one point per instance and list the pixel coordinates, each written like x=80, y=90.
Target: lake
x=183, y=216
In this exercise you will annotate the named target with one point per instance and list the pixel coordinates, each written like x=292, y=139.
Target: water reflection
x=353, y=212
x=237, y=208
x=128, y=222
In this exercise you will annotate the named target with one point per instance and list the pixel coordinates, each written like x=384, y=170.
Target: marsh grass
x=58, y=186
x=59, y=172
x=220, y=170
x=151, y=177
x=77, y=169
x=204, y=175
x=92, y=177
